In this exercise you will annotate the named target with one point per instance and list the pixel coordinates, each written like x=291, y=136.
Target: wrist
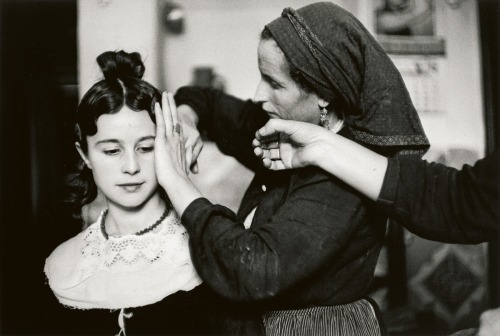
x=181, y=192
x=324, y=157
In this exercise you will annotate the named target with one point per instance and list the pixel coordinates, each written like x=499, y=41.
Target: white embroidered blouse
x=90, y=271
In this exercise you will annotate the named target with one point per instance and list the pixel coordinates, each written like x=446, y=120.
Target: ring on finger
x=274, y=154
x=177, y=128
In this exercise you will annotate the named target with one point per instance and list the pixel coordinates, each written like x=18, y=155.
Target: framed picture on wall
x=407, y=27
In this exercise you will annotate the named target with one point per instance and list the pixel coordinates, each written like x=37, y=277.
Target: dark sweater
x=314, y=241
x=444, y=204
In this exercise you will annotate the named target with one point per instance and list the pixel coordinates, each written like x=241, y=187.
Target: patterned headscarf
x=340, y=59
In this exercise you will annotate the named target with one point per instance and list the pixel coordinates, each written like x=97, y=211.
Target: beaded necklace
x=138, y=233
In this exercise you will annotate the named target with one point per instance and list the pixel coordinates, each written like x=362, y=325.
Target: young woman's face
x=281, y=96
x=121, y=156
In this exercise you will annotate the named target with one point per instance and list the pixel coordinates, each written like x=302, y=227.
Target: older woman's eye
x=275, y=85
x=272, y=83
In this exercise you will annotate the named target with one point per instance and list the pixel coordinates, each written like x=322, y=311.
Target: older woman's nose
x=261, y=93
x=130, y=164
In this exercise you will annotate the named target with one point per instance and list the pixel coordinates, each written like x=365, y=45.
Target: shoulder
x=64, y=258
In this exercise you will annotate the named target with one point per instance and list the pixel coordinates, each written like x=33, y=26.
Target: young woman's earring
x=324, y=119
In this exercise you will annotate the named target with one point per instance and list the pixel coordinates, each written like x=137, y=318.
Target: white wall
x=130, y=25
x=460, y=123
x=223, y=34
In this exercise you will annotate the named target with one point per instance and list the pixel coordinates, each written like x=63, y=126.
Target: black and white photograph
x=250, y=168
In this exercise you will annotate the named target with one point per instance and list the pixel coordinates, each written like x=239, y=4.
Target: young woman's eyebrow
x=116, y=141
x=107, y=141
x=148, y=137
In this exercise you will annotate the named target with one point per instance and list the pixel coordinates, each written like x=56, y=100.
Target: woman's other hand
x=192, y=139
x=286, y=144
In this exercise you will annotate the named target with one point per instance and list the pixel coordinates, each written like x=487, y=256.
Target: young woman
x=131, y=270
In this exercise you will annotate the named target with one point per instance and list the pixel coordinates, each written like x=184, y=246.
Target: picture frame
x=407, y=27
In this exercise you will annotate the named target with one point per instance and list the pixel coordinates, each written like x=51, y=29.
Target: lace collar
x=90, y=271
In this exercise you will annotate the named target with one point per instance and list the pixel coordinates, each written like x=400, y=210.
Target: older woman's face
x=280, y=95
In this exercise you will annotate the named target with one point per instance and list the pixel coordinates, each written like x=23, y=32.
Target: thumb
x=274, y=127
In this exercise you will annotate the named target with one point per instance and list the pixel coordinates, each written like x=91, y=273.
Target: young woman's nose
x=261, y=92
x=130, y=164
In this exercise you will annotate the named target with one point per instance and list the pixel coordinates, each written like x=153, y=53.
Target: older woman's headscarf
x=340, y=58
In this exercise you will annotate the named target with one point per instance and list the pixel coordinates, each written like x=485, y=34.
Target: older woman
x=298, y=257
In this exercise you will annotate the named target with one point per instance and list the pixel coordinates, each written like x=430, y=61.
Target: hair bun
x=120, y=64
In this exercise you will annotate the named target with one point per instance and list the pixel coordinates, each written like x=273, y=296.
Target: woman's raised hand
x=170, y=153
x=171, y=165
x=286, y=144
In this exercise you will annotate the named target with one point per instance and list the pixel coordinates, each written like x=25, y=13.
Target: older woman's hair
x=122, y=85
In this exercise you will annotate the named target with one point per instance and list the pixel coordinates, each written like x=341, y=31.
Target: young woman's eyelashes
x=143, y=147
x=146, y=149
x=111, y=152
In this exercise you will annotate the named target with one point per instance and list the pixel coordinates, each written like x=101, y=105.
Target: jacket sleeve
x=442, y=203
x=228, y=121
x=308, y=232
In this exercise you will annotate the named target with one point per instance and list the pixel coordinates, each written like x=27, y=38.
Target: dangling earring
x=323, y=118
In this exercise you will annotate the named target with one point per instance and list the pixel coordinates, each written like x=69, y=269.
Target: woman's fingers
x=173, y=110
x=273, y=128
x=277, y=165
x=194, y=168
x=198, y=146
x=273, y=164
x=259, y=152
x=167, y=113
x=181, y=144
x=160, y=121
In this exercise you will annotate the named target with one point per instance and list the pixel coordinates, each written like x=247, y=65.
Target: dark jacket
x=314, y=241
x=440, y=203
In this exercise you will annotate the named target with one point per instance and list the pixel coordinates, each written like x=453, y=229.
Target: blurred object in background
x=173, y=18
x=406, y=17
x=205, y=76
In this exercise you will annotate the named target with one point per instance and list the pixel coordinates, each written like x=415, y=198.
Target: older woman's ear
x=323, y=103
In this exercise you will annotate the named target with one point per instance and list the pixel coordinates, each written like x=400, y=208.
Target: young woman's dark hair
x=122, y=85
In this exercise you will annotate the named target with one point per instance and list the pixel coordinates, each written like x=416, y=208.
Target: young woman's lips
x=131, y=187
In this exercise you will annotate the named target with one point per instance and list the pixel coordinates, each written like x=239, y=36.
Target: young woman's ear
x=82, y=155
